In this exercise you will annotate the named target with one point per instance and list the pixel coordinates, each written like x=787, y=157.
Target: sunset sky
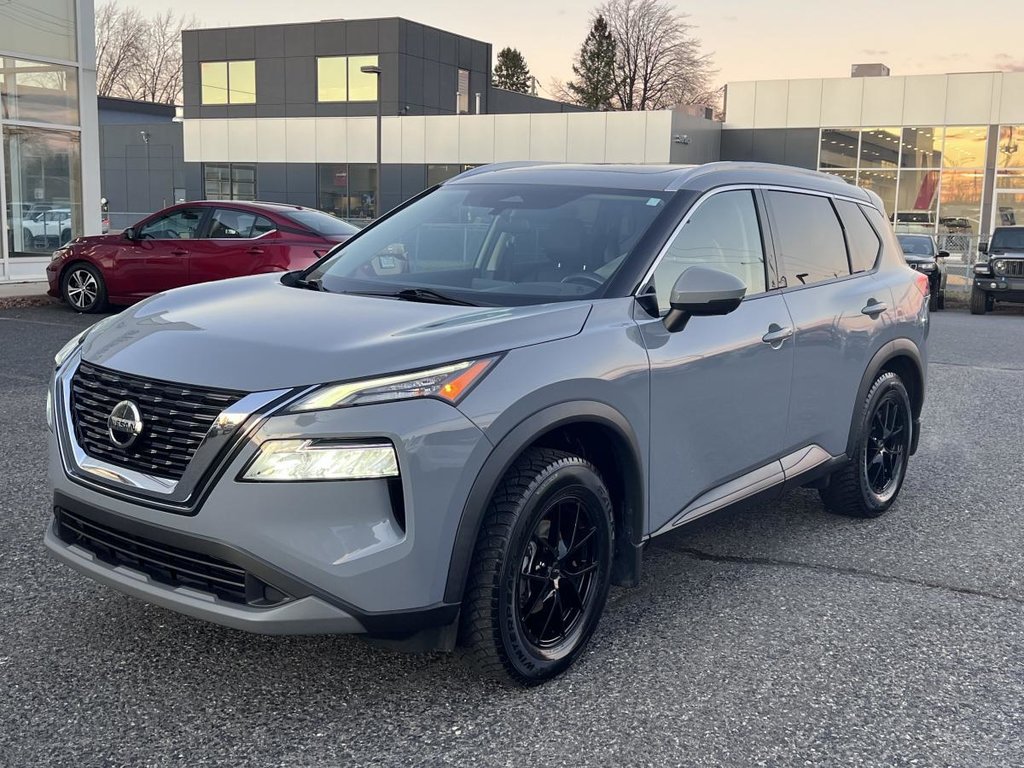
x=750, y=39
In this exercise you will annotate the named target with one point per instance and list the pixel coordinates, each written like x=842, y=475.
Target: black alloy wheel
x=868, y=485
x=541, y=569
x=885, y=454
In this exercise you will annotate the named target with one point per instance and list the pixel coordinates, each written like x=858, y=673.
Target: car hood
x=914, y=258
x=254, y=333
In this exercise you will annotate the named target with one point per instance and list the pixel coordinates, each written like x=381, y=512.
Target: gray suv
x=462, y=427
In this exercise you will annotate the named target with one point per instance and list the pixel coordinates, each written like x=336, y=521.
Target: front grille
x=175, y=417
x=1013, y=267
x=168, y=565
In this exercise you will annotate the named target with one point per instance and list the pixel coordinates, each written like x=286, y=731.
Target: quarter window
x=861, y=238
x=228, y=82
x=808, y=238
x=723, y=233
x=182, y=224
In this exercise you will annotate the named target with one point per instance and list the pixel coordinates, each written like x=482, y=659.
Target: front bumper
x=363, y=556
x=53, y=278
x=1000, y=287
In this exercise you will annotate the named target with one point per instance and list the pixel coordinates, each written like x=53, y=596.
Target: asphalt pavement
x=776, y=635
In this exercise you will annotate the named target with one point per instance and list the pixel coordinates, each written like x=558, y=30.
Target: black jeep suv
x=1001, y=276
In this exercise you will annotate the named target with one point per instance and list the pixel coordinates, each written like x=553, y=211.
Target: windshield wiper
x=313, y=284
x=425, y=295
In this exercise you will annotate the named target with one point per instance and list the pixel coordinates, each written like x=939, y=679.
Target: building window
x=930, y=178
x=228, y=82
x=229, y=181
x=38, y=92
x=463, y=94
x=44, y=27
x=332, y=78
x=340, y=78
x=348, y=190
x=42, y=176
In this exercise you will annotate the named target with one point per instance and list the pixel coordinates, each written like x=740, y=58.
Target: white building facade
x=50, y=160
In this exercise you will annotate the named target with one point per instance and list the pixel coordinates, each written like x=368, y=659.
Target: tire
x=979, y=302
x=869, y=484
x=933, y=302
x=83, y=289
x=506, y=628
x=942, y=300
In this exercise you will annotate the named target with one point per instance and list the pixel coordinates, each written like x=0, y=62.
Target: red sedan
x=191, y=243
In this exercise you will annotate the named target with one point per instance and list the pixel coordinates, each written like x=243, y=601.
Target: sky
x=749, y=39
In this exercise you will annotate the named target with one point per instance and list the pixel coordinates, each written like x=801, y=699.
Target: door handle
x=874, y=308
x=777, y=335
x=179, y=252
x=254, y=251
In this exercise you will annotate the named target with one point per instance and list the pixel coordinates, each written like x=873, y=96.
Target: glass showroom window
x=44, y=27
x=880, y=148
x=348, y=190
x=228, y=82
x=42, y=176
x=922, y=147
x=1008, y=210
x=839, y=148
x=229, y=181
x=37, y=92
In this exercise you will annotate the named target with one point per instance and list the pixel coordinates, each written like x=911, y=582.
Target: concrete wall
x=984, y=98
x=587, y=137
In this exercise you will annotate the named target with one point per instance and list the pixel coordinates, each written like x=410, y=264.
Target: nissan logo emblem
x=124, y=424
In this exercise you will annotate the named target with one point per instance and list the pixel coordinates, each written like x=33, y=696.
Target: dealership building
x=50, y=160
x=942, y=151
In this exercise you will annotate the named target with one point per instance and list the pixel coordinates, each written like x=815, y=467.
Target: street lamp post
x=375, y=71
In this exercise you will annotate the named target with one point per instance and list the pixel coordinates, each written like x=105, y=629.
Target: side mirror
x=942, y=255
x=129, y=234
x=983, y=248
x=702, y=292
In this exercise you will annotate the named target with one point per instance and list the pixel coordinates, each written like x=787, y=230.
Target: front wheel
x=83, y=289
x=541, y=569
x=869, y=484
x=979, y=302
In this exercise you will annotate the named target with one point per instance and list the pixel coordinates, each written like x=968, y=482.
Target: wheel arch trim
x=897, y=348
x=508, y=449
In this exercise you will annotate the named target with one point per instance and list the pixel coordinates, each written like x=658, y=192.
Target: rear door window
x=808, y=238
x=861, y=237
x=229, y=223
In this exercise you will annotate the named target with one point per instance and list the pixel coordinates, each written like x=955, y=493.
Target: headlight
x=926, y=267
x=290, y=460
x=999, y=266
x=68, y=349
x=447, y=382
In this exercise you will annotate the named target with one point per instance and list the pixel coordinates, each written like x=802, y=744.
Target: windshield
x=916, y=245
x=1007, y=240
x=500, y=244
x=322, y=223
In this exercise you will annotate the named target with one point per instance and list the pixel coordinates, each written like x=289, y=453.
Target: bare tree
x=658, y=61
x=139, y=58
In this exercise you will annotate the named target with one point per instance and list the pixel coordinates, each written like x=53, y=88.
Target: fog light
x=296, y=460
x=993, y=285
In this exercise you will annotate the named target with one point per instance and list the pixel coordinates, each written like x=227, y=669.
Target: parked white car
x=47, y=228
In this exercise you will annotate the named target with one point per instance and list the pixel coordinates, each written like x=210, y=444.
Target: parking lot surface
x=775, y=635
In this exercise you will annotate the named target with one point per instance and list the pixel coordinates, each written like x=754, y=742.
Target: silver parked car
x=462, y=426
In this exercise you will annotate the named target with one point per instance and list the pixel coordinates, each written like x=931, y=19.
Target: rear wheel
x=868, y=485
x=979, y=302
x=541, y=569
x=83, y=289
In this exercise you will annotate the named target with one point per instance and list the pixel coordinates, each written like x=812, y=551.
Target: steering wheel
x=588, y=279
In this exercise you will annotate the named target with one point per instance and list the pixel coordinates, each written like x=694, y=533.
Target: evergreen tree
x=594, y=86
x=511, y=72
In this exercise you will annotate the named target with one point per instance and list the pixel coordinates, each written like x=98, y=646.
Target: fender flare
x=902, y=347
x=508, y=449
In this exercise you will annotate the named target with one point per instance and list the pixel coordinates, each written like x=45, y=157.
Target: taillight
x=922, y=284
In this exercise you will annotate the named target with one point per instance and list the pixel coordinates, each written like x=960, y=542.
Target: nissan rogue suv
x=463, y=425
